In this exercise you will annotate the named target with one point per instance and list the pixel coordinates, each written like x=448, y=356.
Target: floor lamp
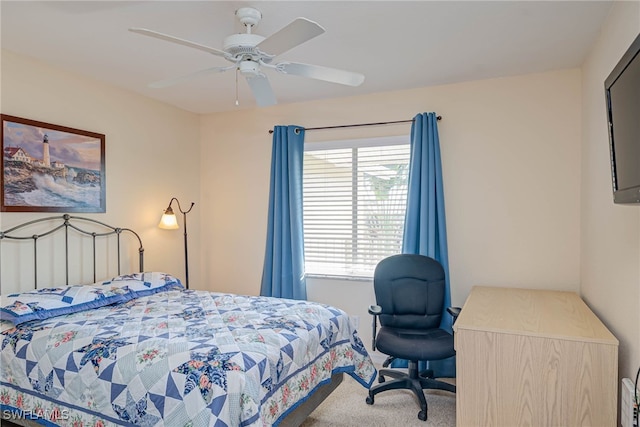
x=170, y=222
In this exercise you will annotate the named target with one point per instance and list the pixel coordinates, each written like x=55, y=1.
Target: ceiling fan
x=250, y=53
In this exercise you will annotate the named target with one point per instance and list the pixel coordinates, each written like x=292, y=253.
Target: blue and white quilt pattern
x=50, y=302
x=178, y=358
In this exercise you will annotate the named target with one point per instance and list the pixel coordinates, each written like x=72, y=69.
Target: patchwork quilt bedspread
x=177, y=358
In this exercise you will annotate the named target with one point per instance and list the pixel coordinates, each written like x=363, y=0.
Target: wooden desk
x=534, y=358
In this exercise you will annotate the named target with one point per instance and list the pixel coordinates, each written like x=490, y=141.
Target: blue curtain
x=283, y=272
x=425, y=230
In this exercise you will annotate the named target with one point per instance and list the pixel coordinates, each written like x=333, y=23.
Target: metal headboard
x=14, y=234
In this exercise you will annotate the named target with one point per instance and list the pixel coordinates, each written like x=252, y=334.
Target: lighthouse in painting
x=45, y=151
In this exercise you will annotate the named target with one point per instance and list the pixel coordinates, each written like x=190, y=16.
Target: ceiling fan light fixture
x=249, y=68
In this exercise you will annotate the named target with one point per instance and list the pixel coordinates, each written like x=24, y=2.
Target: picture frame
x=50, y=168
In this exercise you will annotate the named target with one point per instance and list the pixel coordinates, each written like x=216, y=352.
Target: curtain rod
x=360, y=124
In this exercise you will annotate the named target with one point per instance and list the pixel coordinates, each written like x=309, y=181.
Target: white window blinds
x=355, y=196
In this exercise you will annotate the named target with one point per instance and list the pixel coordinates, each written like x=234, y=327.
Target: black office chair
x=410, y=293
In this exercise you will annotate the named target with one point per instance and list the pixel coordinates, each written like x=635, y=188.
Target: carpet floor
x=346, y=406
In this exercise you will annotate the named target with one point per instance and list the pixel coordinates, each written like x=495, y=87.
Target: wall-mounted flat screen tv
x=622, y=89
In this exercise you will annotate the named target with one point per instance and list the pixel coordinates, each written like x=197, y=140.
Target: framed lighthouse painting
x=50, y=168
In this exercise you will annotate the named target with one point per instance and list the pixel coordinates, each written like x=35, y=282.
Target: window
x=355, y=195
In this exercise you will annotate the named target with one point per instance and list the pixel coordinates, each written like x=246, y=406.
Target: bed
x=139, y=349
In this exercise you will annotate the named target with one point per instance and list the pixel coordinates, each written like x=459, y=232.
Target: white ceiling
x=395, y=44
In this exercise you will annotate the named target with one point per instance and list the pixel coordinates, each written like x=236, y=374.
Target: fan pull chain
x=237, y=103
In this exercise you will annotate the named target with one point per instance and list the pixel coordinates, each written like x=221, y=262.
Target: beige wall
x=511, y=160
x=610, y=244
x=152, y=153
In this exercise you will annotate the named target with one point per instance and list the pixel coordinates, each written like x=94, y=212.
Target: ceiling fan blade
x=296, y=32
x=177, y=40
x=318, y=72
x=261, y=89
x=180, y=79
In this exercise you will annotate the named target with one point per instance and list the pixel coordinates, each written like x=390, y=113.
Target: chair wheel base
x=369, y=400
x=422, y=415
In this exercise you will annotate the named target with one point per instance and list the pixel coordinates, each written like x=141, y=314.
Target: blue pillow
x=49, y=302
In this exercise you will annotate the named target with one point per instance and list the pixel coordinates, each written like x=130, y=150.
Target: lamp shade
x=168, y=220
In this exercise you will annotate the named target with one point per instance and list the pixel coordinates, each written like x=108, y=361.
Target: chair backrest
x=410, y=289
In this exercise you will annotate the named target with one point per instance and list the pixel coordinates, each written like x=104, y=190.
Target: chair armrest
x=375, y=310
x=454, y=312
